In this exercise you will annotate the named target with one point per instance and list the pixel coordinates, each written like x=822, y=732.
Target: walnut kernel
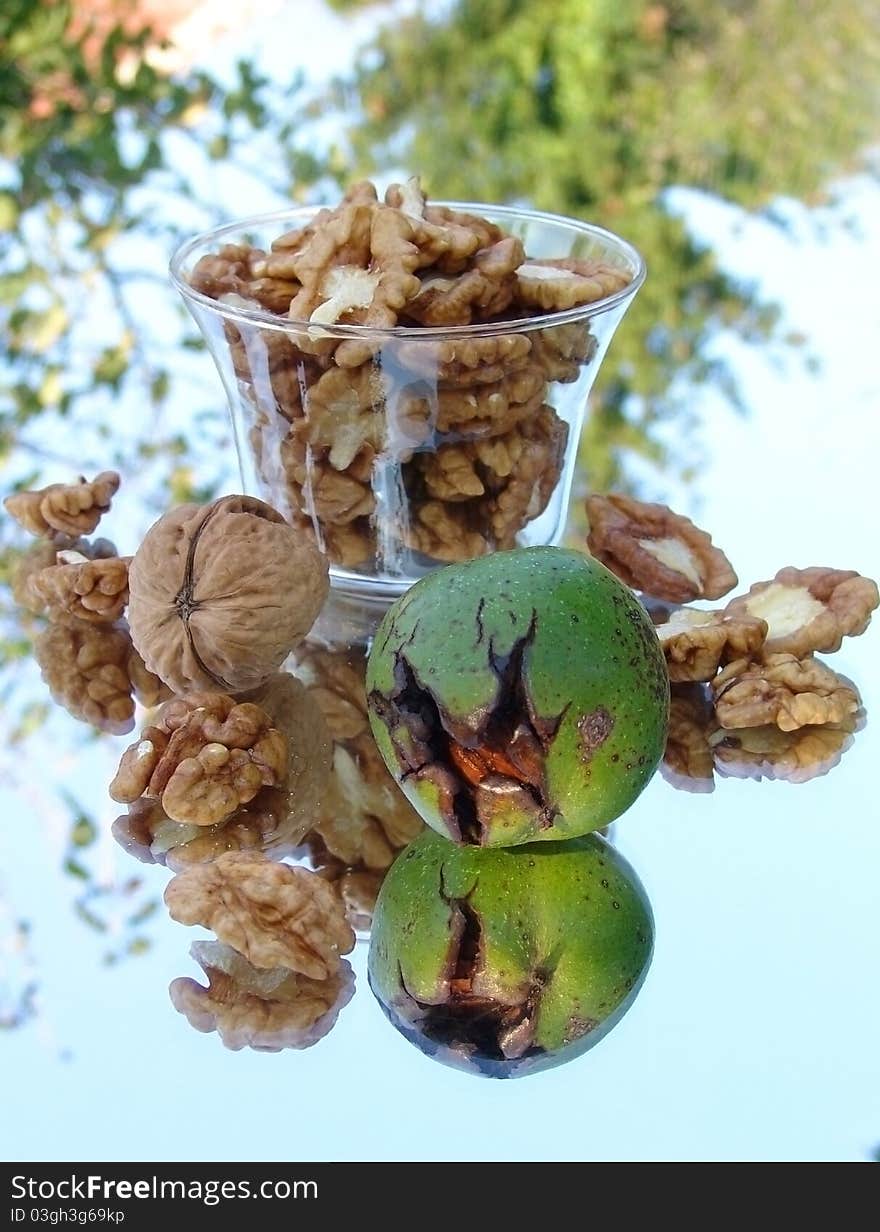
x=276, y=915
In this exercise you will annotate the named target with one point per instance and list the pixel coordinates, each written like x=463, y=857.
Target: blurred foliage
x=19, y=987
x=84, y=130
x=116, y=908
x=106, y=163
x=594, y=108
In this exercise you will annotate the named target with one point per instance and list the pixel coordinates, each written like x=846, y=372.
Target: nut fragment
x=203, y=758
x=351, y=544
x=561, y=351
x=64, y=508
x=342, y=289
x=274, y=914
x=523, y=471
x=484, y=290
x=784, y=690
x=320, y=491
x=466, y=361
x=687, y=761
x=499, y=483
x=343, y=240
x=348, y=410
x=83, y=589
x=482, y=229
x=264, y=1010
x=655, y=550
x=227, y=271
x=145, y=685
x=221, y=593
x=488, y=409
x=556, y=285
x=768, y=753
x=809, y=609
x=444, y=532
x=695, y=643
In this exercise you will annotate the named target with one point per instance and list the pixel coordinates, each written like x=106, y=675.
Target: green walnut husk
x=519, y=697
x=508, y=961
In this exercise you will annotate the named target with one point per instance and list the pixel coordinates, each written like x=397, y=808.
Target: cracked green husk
x=543, y=667
x=510, y=960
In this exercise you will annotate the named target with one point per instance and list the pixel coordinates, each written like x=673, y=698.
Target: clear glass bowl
x=407, y=448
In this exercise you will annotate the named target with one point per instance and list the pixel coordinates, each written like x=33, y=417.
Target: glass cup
x=410, y=447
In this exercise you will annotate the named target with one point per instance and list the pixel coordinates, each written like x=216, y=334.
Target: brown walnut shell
x=221, y=593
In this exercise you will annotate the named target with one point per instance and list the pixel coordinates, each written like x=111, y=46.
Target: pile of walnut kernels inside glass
x=240, y=764
x=468, y=422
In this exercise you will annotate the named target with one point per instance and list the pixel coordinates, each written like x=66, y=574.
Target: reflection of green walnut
x=508, y=961
x=520, y=696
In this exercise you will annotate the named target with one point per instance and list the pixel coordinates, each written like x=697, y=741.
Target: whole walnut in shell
x=221, y=593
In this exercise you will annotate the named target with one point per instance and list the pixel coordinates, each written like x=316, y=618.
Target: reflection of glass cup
x=411, y=447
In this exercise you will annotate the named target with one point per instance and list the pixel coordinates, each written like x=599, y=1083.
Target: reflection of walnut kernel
x=365, y=817
x=687, y=760
x=359, y=891
x=695, y=643
x=783, y=690
x=295, y=712
x=87, y=669
x=145, y=685
x=83, y=589
x=203, y=758
x=64, y=508
x=335, y=679
x=43, y=554
x=809, y=609
x=652, y=549
x=145, y=833
x=768, y=753
x=252, y=1008
x=274, y=914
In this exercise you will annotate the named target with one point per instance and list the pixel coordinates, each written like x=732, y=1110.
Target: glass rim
x=268, y=320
